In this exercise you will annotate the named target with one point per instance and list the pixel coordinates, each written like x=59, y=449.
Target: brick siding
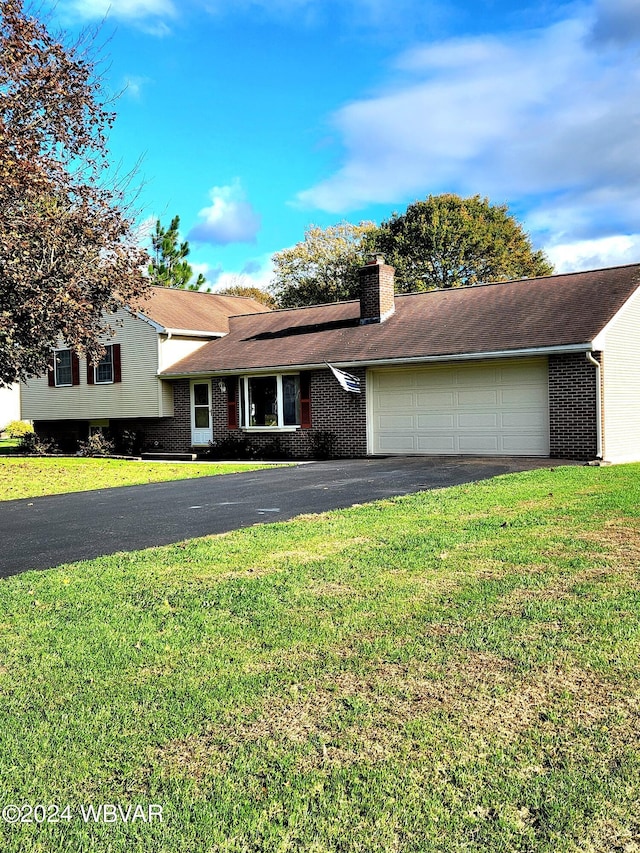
x=572, y=406
x=337, y=416
x=340, y=417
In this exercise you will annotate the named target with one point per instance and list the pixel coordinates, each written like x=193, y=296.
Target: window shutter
x=305, y=400
x=75, y=369
x=91, y=376
x=232, y=403
x=117, y=363
x=51, y=373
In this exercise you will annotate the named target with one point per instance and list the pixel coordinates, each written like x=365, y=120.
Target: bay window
x=270, y=402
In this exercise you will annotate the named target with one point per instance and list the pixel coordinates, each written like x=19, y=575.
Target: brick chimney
x=376, y=291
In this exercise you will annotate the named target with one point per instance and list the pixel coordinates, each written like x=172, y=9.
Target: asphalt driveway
x=39, y=533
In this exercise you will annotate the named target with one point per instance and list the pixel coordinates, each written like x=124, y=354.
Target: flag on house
x=348, y=382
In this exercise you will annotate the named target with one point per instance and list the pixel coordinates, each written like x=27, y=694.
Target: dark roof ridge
x=519, y=280
x=451, y=289
x=161, y=288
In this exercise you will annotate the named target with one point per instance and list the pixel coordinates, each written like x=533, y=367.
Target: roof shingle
x=194, y=310
x=555, y=311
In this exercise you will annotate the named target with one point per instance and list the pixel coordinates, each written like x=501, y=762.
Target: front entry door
x=201, y=428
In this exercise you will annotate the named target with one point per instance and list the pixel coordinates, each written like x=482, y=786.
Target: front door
x=201, y=429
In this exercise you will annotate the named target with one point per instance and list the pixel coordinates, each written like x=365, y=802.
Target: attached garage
x=489, y=408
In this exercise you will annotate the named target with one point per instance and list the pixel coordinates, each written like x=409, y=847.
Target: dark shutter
x=75, y=369
x=91, y=375
x=232, y=403
x=51, y=373
x=117, y=363
x=305, y=400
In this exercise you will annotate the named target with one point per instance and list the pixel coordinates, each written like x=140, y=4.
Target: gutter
x=598, y=367
x=385, y=362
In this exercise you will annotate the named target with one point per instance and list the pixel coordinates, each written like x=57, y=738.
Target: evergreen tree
x=169, y=267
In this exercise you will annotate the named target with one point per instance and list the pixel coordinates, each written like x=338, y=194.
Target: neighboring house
x=535, y=367
x=124, y=393
x=9, y=405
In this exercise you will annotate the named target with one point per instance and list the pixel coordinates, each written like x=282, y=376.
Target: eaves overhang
x=588, y=346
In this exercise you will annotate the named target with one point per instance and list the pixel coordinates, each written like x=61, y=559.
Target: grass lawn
x=451, y=671
x=22, y=477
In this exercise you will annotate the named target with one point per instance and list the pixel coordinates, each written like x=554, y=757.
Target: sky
x=253, y=119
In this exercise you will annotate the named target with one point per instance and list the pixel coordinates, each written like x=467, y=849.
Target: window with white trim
x=270, y=402
x=62, y=369
x=104, y=368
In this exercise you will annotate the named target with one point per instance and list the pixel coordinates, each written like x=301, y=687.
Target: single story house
x=124, y=395
x=534, y=367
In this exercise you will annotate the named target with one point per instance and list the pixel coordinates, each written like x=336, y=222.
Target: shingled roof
x=560, y=311
x=193, y=310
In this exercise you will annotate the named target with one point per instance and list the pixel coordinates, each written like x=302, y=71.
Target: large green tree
x=67, y=253
x=321, y=268
x=169, y=266
x=449, y=241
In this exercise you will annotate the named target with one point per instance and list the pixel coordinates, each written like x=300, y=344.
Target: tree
x=449, y=241
x=67, y=254
x=169, y=266
x=250, y=291
x=321, y=268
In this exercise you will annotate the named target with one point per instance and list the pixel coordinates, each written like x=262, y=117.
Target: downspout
x=598, y=367
x=160, y=368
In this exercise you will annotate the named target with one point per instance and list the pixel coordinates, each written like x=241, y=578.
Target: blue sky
x=256, y=118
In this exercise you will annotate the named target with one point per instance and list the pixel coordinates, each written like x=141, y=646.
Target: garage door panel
x=436, y=444
x=396, y=443
x=394, y=401
x=435, y=399
x=533, y=421
x=437, y=420
x=396, y=422
x=522, y=374
x=478, y=420
x=478, y=444
x=438, y=378
x=481, y=376
x=522, y=444
x=480, y=398
x=529, y=396
x=499, y=408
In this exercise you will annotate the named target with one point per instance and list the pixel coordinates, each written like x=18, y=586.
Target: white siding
x=140, y=394
x=9, y=405
x=176, y=348
x=621, y=437
x=486, y=408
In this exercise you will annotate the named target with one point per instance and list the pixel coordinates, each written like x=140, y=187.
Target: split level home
x=124, y=393
x=534, y=367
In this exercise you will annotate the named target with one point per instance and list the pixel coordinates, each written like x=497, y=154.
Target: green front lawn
x=22, y=477
x=452, y=671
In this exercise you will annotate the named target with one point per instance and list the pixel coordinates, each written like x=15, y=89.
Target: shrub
x=17, y=429
x=322, y=443
x=129, y=442
x=32, y=444
x=97, y=445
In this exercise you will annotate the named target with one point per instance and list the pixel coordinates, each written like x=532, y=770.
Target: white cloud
x=147, y=14
x=547, y=118
x=593, y=254
x=229, y=219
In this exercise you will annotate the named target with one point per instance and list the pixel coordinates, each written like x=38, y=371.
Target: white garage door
x=472, y=408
